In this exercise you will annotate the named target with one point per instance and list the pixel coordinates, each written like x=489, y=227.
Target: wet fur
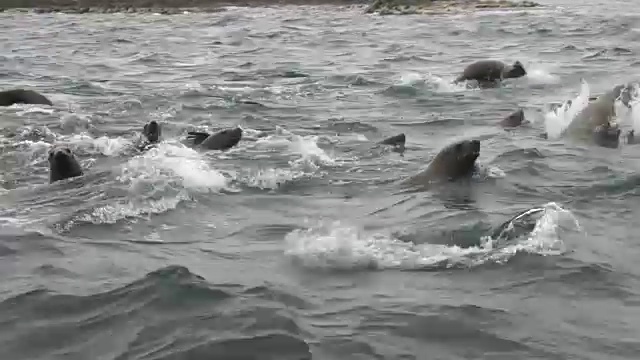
x=453, y=162
x=62, y=164
x=514, y=119
x=151, y=135
x=222, y=140
x=397, y=141
x=488, y=72
x=22, y=96
x=596, y=117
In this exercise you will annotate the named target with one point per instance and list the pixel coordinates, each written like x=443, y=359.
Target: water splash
x=335, y=245
x=557, y=120
x=629, y=116
x=175, y=163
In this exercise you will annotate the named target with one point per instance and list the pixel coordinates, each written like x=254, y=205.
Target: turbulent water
x=299, y=243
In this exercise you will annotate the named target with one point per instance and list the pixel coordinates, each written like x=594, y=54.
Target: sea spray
x=557, y=120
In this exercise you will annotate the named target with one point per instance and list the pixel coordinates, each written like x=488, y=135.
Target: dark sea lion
x=523, y=223
x=453, y=162
x=514, y=119
x=397, y=141
x=62, y=164
x=631, y=139
x=22, y=96
x=488, y=72
x=151, y=133
x=222, y=140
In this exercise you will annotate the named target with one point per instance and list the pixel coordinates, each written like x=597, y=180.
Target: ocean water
x=298, y=243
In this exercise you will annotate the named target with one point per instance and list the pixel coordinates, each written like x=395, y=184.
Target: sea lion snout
x=517, y=70
x=469, y=149
x=472, y=148
x=63, y=164
x=59, y=153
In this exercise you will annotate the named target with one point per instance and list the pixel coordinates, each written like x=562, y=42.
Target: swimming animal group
x=453, y=162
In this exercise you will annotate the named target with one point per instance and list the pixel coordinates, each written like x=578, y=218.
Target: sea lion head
x=515, y=71
x=458, y=159
x=607, y=135
x=224, y=139
x=152, y=131
x=514, y=119
x=62, y=164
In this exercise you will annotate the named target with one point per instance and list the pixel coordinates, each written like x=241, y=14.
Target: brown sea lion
x=22, y=96
x=593, y=122
x=490, y=72
x=453, y=162
x=62, y=164
x=514, y=119
x=222, y=140
x=598, y=114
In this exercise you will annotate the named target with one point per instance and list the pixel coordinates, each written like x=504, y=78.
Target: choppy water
x=298, y=244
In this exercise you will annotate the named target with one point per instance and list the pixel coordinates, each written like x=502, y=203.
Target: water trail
x=334, y=245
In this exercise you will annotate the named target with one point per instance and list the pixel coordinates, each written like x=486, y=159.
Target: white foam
x=173, y=162
x=335, y=245
x=557, y=120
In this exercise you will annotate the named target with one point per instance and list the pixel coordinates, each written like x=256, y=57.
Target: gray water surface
x=298, y=242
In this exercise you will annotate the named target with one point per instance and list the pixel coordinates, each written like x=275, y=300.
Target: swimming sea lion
x=151, y=133
x=488, y=72
x=523, y=223
x=62, y=164
x=631, y=139
x=514, y=119
x=222, y=140
x=397, y=141
x=22, y=96
x=596, y=117
x=453, y=162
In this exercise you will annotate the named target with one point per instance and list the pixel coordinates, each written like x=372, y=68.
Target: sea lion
x=490, y=72
x=453, y=162
x=397, y=141
x=522, y=223
x=595, y=118
x=151, y=133
x=222, y=140
x=514, y=119
x=22, y=96
x=63, y=164
x=631, y=139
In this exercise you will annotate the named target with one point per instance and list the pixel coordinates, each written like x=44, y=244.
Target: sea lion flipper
x=197, y=137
